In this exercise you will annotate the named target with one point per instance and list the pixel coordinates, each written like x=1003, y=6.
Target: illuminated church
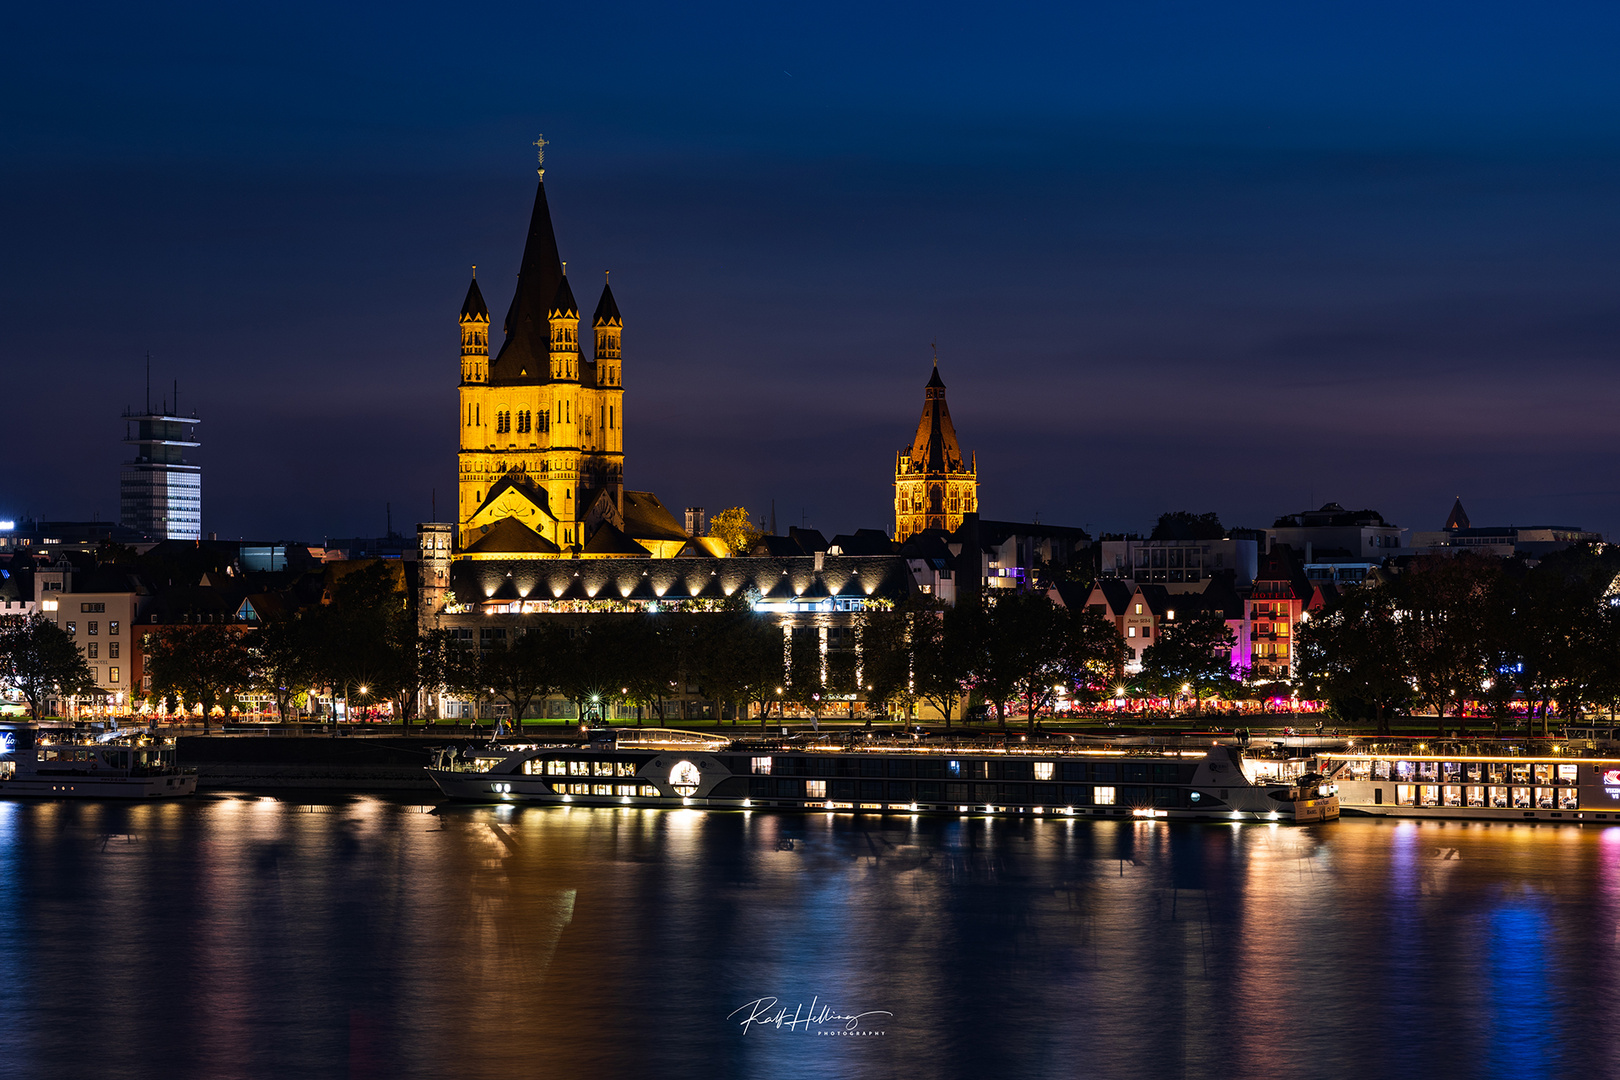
x=542, y=424
x=933, y=485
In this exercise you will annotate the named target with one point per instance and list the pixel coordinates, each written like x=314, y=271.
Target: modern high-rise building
x=160, y=492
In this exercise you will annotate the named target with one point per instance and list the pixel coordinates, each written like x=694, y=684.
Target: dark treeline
x=1470, y=632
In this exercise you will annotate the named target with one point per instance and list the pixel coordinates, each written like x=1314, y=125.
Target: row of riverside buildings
x=547, y=528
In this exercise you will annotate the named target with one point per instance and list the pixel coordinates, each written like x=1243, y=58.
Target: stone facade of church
x=542, y=425
x=933, y=485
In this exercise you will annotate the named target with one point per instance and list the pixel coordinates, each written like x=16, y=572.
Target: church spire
x=933, y=486
x=528, y=329
x=934, y=448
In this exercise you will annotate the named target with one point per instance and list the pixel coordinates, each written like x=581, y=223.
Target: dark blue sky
x=1213, y=257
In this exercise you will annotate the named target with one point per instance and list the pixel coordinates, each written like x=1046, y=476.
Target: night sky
x=1242, y=258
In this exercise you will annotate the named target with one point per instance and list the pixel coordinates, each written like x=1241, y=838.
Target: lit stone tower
x=542, y=448
x=933, y=486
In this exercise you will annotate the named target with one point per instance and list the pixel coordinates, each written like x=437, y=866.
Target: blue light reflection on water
x=361, y=937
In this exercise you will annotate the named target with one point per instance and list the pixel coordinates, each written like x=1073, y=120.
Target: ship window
x=648, y=789
x=1102, y=796
x=1567, y=773
x=1043, y=770
x=627, y=768
x=556, y=768
x=760, y=766
x=601, y=789
x=624, y=789
x=579, y=768
x=815, y=789
x=603, y=768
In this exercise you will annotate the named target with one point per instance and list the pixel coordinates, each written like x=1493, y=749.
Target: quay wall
x=346, y=763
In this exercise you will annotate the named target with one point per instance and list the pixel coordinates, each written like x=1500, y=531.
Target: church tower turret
x=474, y=335
x=609, y=328
x=563, y=316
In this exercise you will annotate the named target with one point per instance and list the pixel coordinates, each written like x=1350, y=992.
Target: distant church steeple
x=1459, y=516
x=933, y=485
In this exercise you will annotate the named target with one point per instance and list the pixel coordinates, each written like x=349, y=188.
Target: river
x=241, y=935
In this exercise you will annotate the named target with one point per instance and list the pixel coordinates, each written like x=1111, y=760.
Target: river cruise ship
x=65, y=764
x=661, y=768
x=1490, y=782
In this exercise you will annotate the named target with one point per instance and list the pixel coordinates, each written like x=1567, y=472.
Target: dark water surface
x=247, y=936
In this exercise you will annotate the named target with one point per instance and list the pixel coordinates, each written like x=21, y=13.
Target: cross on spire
x=540, y=144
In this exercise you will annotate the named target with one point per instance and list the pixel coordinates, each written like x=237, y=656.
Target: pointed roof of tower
x=474, y=305
x=607, y=312
x=563, y=302
x=1459, y=516
x=934, y=449
x=528, y=333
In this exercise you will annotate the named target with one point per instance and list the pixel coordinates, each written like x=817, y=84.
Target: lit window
x=601, y=789
x=1043, y=770
x=624, y=789
x=761, y=766
x=1130, y=631
x=627, y=768
x=604, y=768
x=1139, y=609
x=556, y=768
x=815, y=789
x=112, y=674
x=579, y=768
x=1103, y=796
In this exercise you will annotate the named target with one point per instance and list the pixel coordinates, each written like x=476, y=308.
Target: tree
x=942, y=644
x=1192, y=655
x=1446, y=628
x=1353, y=660
x=719, y=667
x=734, y=528
x=39, y=659
x=1096, y=655
x=368, y=637
x=525, y=666
x=804, y=685
x=887, y=638
x=204, y=665
x=285, y=661
x=760, y=664
x=654, y=654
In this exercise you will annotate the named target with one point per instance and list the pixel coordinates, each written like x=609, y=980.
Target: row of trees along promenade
x=1461, y=638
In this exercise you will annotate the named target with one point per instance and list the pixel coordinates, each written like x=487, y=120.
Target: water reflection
x=245, y=936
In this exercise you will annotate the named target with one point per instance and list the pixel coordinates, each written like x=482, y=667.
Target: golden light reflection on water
x=368, y=937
